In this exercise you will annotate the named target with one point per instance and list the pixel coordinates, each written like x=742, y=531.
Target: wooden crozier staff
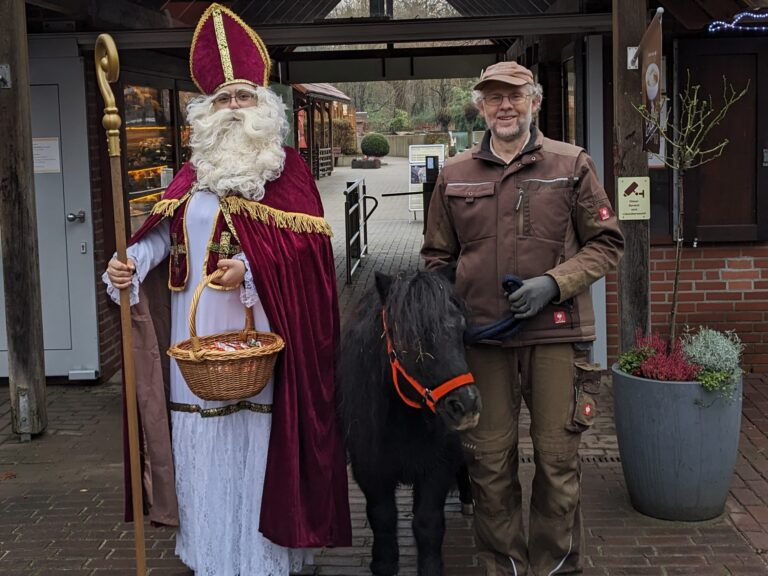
x=108, y=70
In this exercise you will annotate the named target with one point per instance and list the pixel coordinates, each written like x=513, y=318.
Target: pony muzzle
x=461, y=409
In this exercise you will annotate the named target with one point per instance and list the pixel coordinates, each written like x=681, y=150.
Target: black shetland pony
x=404, y=390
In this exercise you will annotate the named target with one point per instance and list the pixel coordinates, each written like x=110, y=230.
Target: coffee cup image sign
x=652, y=79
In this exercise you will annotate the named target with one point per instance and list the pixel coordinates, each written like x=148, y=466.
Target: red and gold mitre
x=226, y=50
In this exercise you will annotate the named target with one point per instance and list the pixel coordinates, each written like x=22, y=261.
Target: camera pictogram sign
x=633, y=195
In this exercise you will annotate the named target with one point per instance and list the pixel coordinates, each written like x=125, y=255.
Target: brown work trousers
x=558, y=385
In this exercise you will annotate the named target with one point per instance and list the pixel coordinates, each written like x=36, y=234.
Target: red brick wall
x=103, y=234
x=723, y=287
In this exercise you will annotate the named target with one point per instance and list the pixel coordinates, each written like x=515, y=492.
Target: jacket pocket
x=545, y=208
x=473, y=207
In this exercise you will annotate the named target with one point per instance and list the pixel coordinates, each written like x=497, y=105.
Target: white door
x=64, y=223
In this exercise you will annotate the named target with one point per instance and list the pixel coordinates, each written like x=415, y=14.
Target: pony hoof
x=468, y=509
x=384, y=568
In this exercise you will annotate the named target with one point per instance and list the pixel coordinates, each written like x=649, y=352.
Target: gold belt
x=221, y=410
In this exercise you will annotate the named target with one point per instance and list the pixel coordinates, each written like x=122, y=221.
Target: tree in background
x=471, y=113
x=400, y=121
x=344, y=136
x=443, y=117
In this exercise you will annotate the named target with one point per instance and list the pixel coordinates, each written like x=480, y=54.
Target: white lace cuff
x=248, y=294
x=114, y=293
x=142, y=269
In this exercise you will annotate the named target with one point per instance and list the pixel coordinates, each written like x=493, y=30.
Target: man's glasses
x=242, y=97
x=515, y=99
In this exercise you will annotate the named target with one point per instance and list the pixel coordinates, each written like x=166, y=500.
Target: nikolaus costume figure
x=249, y=483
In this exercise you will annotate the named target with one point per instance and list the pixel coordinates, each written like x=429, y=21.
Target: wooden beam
x=719, y=9
x=18, y=230
x=364, y=31
x=688, y=13
x=629, y=159
x=314, y=55
x=72, y=9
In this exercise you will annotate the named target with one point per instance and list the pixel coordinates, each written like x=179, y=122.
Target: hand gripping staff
x=108, y=70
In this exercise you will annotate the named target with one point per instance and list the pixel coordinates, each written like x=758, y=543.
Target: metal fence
x=356, y=217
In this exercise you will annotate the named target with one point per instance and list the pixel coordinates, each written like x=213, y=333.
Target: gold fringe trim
x=294, y=221
x=166, y=208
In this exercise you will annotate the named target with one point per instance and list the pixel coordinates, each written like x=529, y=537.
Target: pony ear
x=383, y=284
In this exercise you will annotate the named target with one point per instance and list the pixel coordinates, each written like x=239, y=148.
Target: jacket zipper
x=520, y=195
x=562, y=179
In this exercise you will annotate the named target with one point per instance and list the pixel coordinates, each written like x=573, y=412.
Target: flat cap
x=507, y=72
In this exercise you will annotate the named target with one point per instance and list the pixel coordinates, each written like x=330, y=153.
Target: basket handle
x=193, y=310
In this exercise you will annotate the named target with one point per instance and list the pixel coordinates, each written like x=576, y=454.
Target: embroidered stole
x=222, y=244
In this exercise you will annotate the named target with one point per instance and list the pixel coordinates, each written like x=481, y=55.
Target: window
x=727, y=199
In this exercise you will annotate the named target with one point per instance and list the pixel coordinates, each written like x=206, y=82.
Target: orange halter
x=430, y=397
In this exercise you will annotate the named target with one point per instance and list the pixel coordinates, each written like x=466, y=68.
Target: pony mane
x=419, y=304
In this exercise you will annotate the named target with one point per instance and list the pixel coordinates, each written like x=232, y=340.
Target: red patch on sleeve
x=560, y=317
x=604, y=213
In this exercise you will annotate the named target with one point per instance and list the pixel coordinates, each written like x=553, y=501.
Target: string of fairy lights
x=755, y=25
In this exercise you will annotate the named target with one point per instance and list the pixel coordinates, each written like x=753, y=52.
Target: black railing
x=356, y=224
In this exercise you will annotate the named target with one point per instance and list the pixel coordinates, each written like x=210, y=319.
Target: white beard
x=237, y=151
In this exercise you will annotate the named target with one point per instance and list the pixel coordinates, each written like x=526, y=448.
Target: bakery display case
x=149, y=148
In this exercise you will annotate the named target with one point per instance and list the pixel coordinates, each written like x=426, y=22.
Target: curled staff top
x=107, y=71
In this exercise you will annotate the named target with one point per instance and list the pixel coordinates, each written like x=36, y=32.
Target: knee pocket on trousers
x=559, y=478
x=491, y=474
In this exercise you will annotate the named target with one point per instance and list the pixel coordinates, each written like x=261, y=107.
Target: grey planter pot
x=678, y=445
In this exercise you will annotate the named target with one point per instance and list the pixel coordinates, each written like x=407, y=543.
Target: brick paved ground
x=61, y=495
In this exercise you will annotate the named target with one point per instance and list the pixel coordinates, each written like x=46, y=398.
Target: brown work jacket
x=543, y=213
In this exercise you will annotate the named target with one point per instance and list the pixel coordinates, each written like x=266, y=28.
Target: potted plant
x=373, y=146
x=677, y=400
x=678, y=416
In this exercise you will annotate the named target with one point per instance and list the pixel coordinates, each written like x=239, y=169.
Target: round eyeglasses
x=515, y=99
x=241, y=97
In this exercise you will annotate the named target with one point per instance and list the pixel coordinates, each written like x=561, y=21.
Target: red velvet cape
x=305, y=501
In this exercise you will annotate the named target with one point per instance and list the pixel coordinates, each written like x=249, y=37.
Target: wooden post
x=18, y=229
x=311, y=143
x=629, y=159
x=330, y=129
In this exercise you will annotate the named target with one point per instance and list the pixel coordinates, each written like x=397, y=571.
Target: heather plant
x=663, y=362
x=711, y=357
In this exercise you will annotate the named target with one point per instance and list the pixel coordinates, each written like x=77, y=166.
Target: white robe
x=219, y=461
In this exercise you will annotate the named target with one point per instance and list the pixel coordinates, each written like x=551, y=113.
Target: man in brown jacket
x=527, y=227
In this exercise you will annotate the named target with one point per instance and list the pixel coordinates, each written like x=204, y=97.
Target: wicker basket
x=221, y=375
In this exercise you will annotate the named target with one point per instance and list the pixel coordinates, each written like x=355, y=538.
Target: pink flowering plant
x=708, y=356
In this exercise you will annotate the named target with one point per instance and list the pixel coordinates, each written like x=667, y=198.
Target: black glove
x=532, y=296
